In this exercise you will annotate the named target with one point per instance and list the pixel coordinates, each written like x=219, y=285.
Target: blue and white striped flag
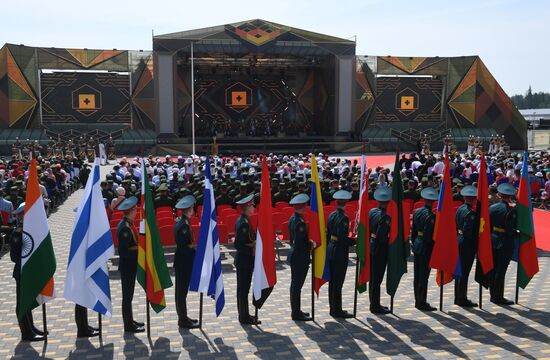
x=87, y=281
x=207, y=277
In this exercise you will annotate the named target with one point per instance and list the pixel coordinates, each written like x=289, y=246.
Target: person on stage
x=299, y=256
x=128, y=237
x=379, y=226
x=245, y=242
x=338, y=253
x=422, y=245
x=468, y=229
x=183, y=260
x=28, y=331
x=503, y=219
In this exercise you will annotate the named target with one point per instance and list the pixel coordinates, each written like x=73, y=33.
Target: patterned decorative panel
x=391, y=65
x=313, y=95
x=143, y=95
x=257, y=32
x=364, y=94
x=22, y=101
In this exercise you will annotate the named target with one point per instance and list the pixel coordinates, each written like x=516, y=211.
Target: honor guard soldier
x=26, y=325
x=183, y=260
x=298, y=255
x=422, y=244
x=338, y=253
x=467, y=229
x=379, y=225
x=128, y=237
x=245, y=242
x=503, y=235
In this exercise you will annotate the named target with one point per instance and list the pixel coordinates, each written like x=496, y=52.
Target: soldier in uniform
x=110, y=147
x=127, y=249
x=245, y=242
x=90, y=149
x=16, y=148
x=503, y=235
x=282, y=194
x=338, y=253
x=183, y=260
x=26, y=325
x=467, y=229
x=379, y=225
x=422, y=244
x=223, y=198
x=298, y=255
x=163, y=198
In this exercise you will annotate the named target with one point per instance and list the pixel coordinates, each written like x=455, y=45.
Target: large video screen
x=408, y=99
x=85, y=98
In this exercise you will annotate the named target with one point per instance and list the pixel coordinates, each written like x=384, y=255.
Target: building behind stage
x=255, y=83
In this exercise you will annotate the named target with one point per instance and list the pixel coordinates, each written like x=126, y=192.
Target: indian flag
x=37, y=256
x=152, y=271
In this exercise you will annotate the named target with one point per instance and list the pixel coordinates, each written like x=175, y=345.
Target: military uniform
x=467, y=228
x=163, y=199
x=503, y=219
x=299, y=258
x=128, y=237
x=422, y=245
x=245, y=242
x=338, y=254
x=183, y=262
x=379, y=226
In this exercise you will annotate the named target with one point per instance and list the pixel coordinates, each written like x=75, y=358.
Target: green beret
x=163, y=187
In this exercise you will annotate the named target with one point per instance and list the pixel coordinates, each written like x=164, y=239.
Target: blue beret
x=245, y=200
x=469, y=190
x=299, y=199
x=128, y=203
x=382, y=193
x=507, y=189
x=429, y=193
x=186, y=202
x=341, y=195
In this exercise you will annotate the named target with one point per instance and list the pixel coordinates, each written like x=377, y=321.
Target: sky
x=512, y=37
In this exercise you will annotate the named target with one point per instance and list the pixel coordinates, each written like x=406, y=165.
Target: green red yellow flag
x=152, y=271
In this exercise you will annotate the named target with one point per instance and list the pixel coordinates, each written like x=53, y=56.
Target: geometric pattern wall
x=19, y=80
x=472, y=96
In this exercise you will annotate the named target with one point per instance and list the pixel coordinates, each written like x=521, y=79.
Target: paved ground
x=494, y=332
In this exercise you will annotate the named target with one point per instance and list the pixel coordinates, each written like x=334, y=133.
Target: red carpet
x=376, y=160
x=542, y=229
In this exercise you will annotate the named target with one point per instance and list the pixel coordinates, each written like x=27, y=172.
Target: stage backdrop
x=85, y=98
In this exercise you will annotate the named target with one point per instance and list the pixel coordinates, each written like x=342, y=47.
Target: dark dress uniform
x=162, y=200
x=245, y=241
x=503, y=235
x=338, y=254
x=183, y=266
x=128, y=250
x=379, y=225
x=467, y=228
x=422, y=245
x=26, y=325
x=299, y=258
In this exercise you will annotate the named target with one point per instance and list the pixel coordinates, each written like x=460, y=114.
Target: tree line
x=531, y=100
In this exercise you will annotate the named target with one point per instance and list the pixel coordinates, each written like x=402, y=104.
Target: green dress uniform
x=245, y=241
x=422, y=245
x=338, y=254
x=183, y=262
x=503, y=220
x=299, y=258
x=128, y=250
x=379, y=226
x=467, y=229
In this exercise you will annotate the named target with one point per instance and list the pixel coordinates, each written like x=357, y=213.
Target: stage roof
x=259, y=36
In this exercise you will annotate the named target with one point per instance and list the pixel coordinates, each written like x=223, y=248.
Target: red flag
x=445, y=251
x=265, y=276
x=484, y=245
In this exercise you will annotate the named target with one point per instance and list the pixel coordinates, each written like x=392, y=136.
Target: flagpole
x=44, y=322
x=517, y=294
x=442, y=283
x=99, y=325
x=148, y=320
x=355, y=292
x=480, y=296
x=200, y=311
x=313, y=285
x=256, y=313
x=391, y=304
